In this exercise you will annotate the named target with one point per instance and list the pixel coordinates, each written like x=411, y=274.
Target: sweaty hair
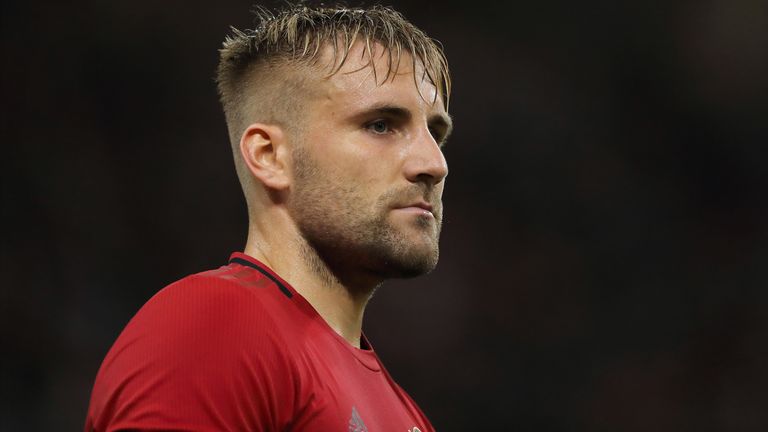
x=261, y=72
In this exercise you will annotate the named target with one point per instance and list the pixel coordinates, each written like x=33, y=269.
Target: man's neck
x=341, y=306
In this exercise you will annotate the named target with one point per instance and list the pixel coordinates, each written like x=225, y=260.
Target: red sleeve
x=202, y=355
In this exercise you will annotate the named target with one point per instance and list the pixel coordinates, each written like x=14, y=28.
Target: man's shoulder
x=212, y=316
x=221, y=299
x=229, y=283
x=197, y=343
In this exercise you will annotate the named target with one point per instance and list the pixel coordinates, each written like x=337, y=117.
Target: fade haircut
x=262, y=72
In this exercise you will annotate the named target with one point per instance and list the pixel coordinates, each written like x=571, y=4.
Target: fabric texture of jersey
x=238, y=349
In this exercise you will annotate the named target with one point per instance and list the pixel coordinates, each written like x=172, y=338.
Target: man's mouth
x=420, y=207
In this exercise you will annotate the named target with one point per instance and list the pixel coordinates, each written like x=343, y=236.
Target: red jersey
x=238, y=349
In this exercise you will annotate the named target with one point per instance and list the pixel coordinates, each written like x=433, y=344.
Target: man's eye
x=435, y=134
x=439, y=136
x=379, y=127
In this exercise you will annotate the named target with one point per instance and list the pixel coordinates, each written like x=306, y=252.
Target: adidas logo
x=356, y=423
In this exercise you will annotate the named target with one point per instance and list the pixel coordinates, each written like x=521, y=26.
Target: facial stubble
x=352, y=233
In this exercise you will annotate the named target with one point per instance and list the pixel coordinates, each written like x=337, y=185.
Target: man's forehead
x=376, y=73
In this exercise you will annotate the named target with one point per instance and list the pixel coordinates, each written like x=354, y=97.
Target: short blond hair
x=262, y=60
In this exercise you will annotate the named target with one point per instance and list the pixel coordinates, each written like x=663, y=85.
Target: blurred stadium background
x=605, y=252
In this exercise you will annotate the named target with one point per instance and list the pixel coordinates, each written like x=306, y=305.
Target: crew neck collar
x=365, y=354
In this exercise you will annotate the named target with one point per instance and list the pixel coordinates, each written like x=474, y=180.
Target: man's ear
x=265, y=153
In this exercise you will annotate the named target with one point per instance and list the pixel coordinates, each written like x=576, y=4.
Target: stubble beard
x=351, y=235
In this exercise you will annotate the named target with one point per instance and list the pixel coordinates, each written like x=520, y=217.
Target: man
x=336, y=118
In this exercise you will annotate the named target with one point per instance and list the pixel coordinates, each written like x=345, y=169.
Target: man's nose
x=426, y=162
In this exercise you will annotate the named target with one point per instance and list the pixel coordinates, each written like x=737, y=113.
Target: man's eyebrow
x=386, y=110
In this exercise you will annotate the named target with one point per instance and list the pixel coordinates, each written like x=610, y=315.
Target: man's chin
x=407, y=265
x=412, y=272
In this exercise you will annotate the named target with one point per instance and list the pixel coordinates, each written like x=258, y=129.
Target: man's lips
x=421, y=207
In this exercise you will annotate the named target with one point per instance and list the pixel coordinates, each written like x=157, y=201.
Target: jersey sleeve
x=202, y=355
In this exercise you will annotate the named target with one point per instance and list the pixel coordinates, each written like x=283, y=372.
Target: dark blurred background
x=605, y=253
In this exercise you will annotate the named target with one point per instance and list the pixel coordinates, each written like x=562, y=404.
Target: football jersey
x=238, y=349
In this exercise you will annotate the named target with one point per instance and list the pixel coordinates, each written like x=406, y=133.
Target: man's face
x=369, y=171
